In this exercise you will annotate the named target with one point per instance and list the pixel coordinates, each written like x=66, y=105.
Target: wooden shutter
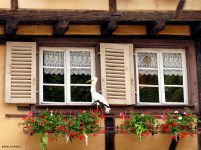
x=117, y=73
x=20, y=76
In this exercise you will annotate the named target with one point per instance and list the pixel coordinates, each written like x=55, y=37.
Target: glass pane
x=53, y=94
x=80, y=59
x=80, y=94
x=80, y=79
x=173, y=80
x=149, y=94
x=174, y=94
x=148, y=77
x=147, y=60
x=53, y=58
x=53, y=75
x=172, y=60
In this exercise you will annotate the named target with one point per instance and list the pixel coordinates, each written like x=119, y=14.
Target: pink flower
x=164, y=117
x=121, y=115
x=30, y=114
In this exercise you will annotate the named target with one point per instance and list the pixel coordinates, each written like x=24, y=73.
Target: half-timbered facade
x=145, y=53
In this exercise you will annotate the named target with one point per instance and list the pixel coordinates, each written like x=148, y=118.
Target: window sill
x=163, y=106
x=64, y=105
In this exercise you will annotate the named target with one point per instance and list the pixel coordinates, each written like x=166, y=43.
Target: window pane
x=53, y=58
x=172, y=60
x=80, y=94
x=148, y=77
x=147, y=60
x=174, y=94
x=53, y=75
x=173, y=80
x=53, y=94
x=80, y=79
x=80, y=59
x=149, y=94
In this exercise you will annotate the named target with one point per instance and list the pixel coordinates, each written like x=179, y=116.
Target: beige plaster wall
x=156, y=142
x=83, y=30
x=176, y=30
x=130, y=30
x=35, y=30
x=146, y=4
x=1, y=29
x=65, y=4
x=5, y=4
x=130, y=5
x=193, y=5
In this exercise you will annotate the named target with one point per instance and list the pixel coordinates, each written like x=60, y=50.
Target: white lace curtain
x=172, y=63
x=80, y=62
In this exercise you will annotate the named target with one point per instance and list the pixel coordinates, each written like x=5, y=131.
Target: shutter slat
x=21, y=72
x=116, y=72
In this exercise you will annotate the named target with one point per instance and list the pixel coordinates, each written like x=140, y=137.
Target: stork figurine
x=98, y=98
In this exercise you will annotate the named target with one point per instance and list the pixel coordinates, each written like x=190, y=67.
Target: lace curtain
x=80, y=62
x=172, y=63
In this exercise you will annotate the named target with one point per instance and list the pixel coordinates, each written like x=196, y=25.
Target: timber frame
x=109, y=20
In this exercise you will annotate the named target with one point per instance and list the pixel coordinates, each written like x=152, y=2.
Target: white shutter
x=117, y=73
x=20, y=75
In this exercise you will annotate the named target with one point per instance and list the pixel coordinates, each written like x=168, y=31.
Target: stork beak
x=88, y=81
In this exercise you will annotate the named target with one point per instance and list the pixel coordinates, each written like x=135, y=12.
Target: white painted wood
x=117, y=75
x=20, y=74
x=67, y=83
x=161, y=84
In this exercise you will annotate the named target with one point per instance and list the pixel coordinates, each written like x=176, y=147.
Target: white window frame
x=67, y=84
x=161, y=85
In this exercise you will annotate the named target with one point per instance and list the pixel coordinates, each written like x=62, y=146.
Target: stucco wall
x=130, y=5
x=65, y=4
x=5, y=4
x=156, y=142
x=103, y=4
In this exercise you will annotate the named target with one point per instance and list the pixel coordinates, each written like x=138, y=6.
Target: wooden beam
x=109, y=28
x=180, y=7
x=112, y=5
x=96, y=16
x=157, y=27
x=14, y=4
x=11, y=27
x=196, y=29
x=60, y=27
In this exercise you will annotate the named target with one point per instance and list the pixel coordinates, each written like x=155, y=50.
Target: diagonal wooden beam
x=157, y=27
x=11, y=27
x=109, y=28
x=196, y=29
x=180, y=7
x=14, y=4
x=60, y=27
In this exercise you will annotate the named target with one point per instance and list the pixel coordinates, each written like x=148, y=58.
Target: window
x=63, y=73
x=161, y=76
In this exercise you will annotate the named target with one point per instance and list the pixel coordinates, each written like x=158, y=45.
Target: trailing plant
x=174, y=123
x=179, y=125
x=139, y=124
x=69, y=126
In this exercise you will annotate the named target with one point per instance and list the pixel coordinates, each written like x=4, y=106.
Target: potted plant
x=69, y=126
